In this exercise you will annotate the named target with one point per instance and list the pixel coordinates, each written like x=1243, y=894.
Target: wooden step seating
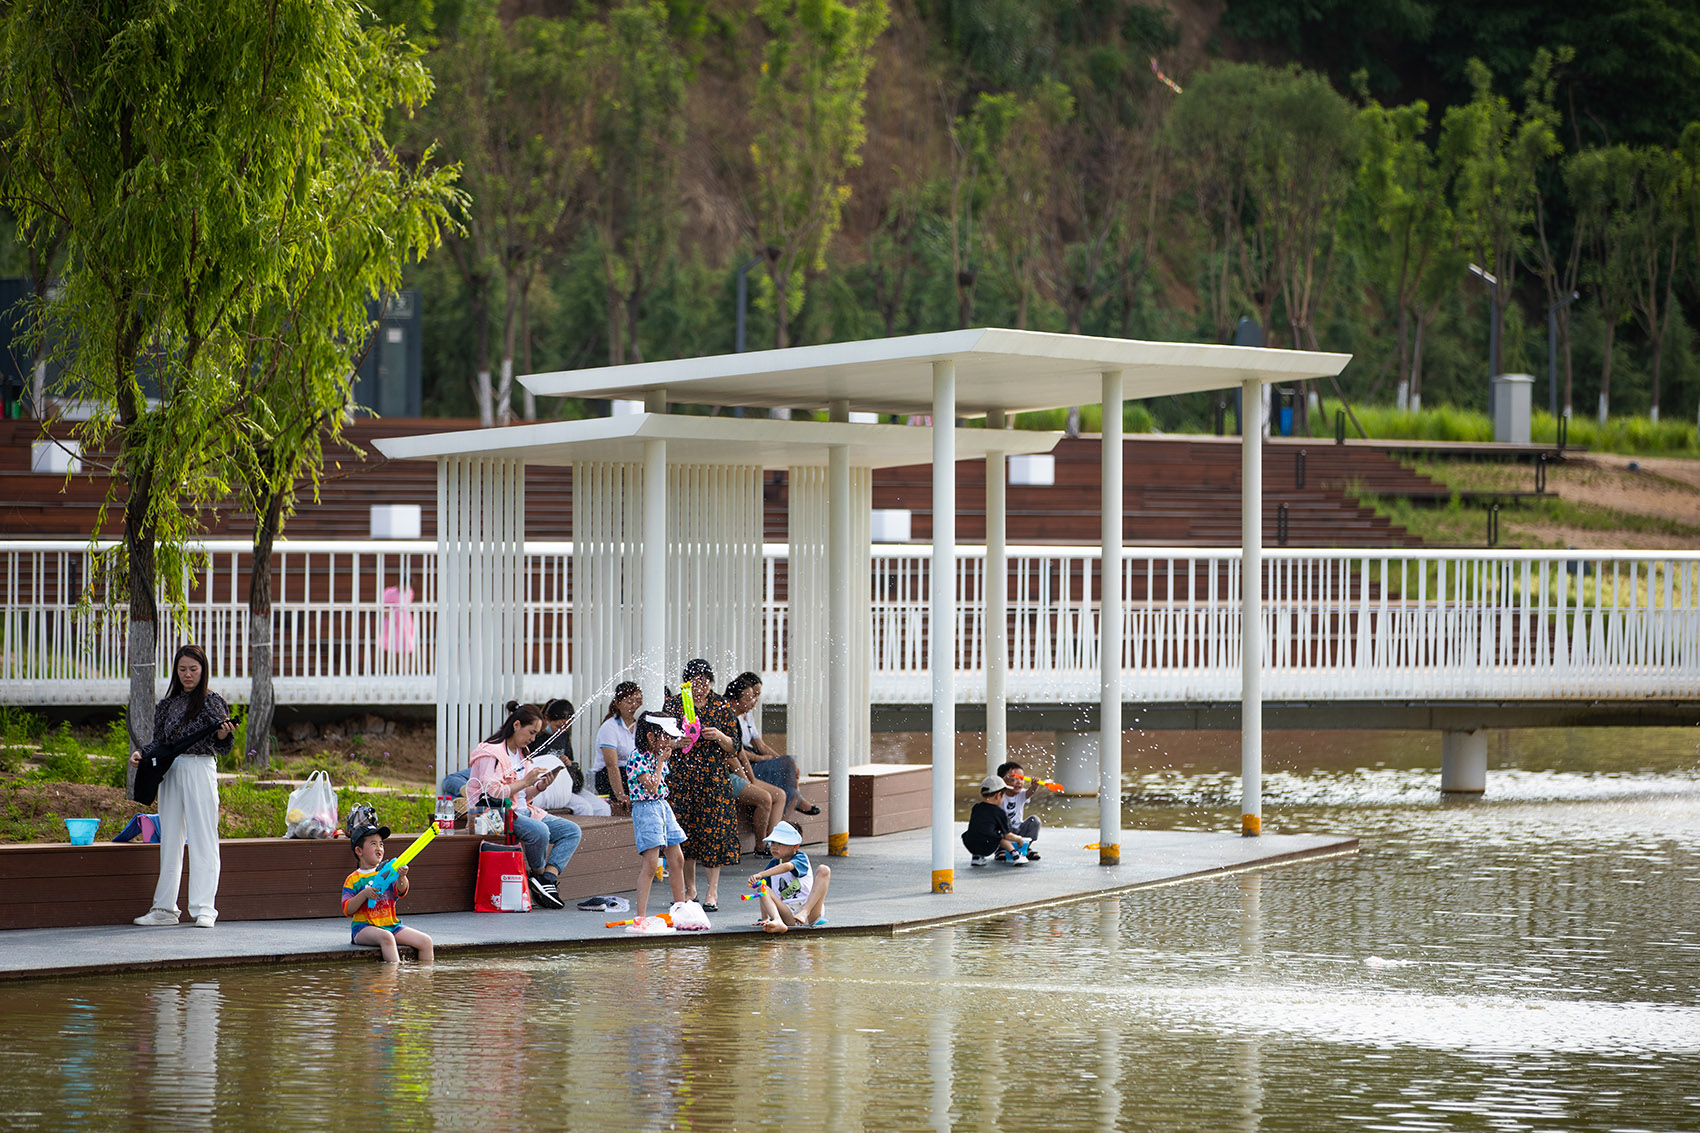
x=56, y=885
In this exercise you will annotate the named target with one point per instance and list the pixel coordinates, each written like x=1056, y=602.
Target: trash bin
x=1511, y=393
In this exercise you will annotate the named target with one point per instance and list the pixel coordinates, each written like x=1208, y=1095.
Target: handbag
x=501, y=885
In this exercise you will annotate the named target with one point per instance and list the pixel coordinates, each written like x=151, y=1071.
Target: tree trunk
x=1605, y=369
x=1415, y=402
x=142, y=636
x=1403, y=398
x=781, y=309
x=262, y=695
x=528, y=402
x=634, y=348
x=478, y=298
x=1564, y=351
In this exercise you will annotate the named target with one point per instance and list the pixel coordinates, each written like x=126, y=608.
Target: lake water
x=1526, y=961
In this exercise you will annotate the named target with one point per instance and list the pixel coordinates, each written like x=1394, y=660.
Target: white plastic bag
x=312, y=809
x=688, y=916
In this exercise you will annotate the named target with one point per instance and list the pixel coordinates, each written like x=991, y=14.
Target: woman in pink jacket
x=502, y=769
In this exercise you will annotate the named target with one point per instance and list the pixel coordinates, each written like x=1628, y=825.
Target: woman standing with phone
x=188, y=795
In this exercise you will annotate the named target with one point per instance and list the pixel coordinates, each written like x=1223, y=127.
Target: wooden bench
x=55, y=885
x=888, y=797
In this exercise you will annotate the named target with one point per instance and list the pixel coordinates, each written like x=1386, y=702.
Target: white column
x=1463, y=762
x=838, y=647
x=942, y=626
x=652, y=675
x=996, y=582
x=1110, y=627
x=481, y=596
x=449, y=605
x=808, y=733
x=1251, y=615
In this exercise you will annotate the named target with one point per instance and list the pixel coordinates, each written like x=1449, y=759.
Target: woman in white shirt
x=615, y=742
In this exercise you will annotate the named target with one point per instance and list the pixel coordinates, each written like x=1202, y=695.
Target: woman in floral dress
x=702, y=796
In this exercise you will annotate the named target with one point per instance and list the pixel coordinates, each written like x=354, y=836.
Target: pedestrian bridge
x=1372, y=638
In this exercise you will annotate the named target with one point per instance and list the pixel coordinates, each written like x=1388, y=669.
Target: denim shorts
x=738, y=783
x=654, y=825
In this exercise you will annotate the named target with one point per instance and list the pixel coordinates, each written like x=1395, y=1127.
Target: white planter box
x=395, y=521
x=56, y=458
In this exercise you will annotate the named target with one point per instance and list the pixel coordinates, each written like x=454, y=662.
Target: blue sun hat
x=785, y=835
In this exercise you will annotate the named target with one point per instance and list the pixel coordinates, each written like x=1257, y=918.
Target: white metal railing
x=355, y=623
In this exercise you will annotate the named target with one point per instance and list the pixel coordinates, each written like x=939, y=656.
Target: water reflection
x=1524, y=962
x=180, y=1085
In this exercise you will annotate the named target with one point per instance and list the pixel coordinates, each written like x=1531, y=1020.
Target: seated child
x=655, y=829
x=1018, y=788
x=988, y=830
x=371, y=909
x=793, y=893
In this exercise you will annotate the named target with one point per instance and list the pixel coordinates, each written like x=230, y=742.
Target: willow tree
x=361, y=216
x=807, y=115
x=171, y=141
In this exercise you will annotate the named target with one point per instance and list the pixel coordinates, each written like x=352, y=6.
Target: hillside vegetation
x=1121, y=168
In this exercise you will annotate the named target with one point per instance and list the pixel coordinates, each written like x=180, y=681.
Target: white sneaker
x=205, y=920
x=979, y=859
x=157, y=917
x=1015, y=859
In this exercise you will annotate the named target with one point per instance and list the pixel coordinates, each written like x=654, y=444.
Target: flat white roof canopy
x=713, y=440
x=1010, y=370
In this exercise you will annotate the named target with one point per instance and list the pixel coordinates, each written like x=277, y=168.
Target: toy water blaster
x=390, y=870
x=692, y=728
x=1045, y=783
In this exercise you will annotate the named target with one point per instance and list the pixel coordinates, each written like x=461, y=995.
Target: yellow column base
x=1110, y=855
x=944, y=881
x=838, y=845
x=1251, y=825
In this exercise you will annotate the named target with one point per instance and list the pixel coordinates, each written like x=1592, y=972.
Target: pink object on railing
x=396, y=635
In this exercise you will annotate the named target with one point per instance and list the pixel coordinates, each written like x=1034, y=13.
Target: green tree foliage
x=1015, y=139
x=806, y=117
x=1493, y=155
x=1401, y=216
x=177, y=145
x=640, y=133
x=1652, y=237
x=1635, y=78
x=361, y=216
x=1602, y=185
x=515, y=108
x=1270, y=155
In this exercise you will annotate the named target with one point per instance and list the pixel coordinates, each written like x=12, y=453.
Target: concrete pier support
x=1077, y=762
x=1463, y=762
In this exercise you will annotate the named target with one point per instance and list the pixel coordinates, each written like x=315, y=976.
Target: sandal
x=811, y=812
x=710, y=907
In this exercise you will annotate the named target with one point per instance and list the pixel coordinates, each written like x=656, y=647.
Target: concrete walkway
x=881, y=887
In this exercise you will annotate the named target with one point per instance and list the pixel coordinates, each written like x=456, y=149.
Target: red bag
x=501, y=886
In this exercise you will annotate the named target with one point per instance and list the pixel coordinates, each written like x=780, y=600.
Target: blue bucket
x=82, y=830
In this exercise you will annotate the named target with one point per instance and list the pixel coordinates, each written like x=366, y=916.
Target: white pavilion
x=667, y=530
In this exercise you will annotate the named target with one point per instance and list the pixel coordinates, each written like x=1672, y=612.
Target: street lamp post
x=1493, y=328
x=1552, y=350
